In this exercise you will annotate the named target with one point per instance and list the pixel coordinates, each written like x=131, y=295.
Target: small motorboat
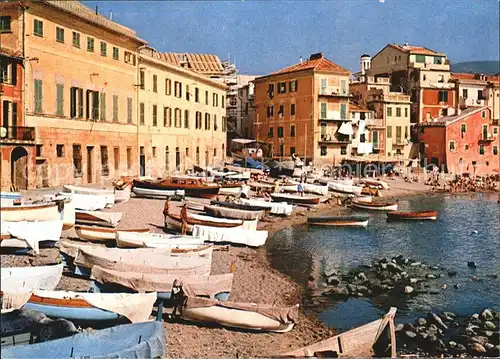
x=360, y=342
x=193, y=187
x=296, y=199
x=9, y=198
x=376, y=206
x=345, y=188
x=107, y=193
x=45, y=211
x=419, y=216
x=138, y=340
x=102, y=234
x=339, y=221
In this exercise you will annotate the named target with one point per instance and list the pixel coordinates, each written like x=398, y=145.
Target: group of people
x=463, y=183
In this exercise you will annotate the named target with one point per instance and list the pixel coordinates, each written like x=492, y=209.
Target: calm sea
x=468, y=229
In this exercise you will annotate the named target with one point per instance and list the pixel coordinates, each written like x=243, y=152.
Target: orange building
x=466, y=142
x=304, y=109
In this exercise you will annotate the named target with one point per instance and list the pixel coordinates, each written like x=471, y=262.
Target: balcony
x=442, y=85
x=333, y=91
x=18, y=134
x=375, y=123
x=333, y=118
x=427, y=66
x=334, y=139
x=487, y=137
x=400, y=142
x=470, y=102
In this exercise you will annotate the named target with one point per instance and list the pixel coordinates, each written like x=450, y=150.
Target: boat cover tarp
x=25, y=279
x=32, y=232
x=207, y=285
x=231, y=235
x=281, y=208
x=284, y=315
x=139, y=340
x=249, y=225
x=136, y=306
x=232, y=213
x=144, y=260
x=70, y=248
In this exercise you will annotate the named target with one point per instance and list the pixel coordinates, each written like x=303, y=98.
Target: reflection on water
x=467, y=230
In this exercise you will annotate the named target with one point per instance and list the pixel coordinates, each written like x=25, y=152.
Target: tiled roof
x=419, y=50
x=317, y=64
x=202, y=63
x=9, y=52
x=448, y=120
x=474, y=78
x=356, y=108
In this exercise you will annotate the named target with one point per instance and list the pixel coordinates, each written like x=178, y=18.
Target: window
x=196, y=94
x=168, y=87
x=480, y=95
x=398, y=111
x=463, y=129
x=104, y=161
x=466, y=147
x=103, y=107
x=398, y=134
x=293, y=86
x=270, y=111
x=452, y=146
x=116, y=53
x=270, y=90
x=420, y=58
x=76, y=39
x=281, y=111
x=343, y=150
x=483, y=114
x=224, y=125
x=39, y=150
x=60, y=150
x=292, y=150
x=389, y=131
x=495, y=130
x=481, y=150
x=141, y=113
x=129, y=158
x=323, y=110
x=407, y=131
x=178, y=89
x=495, y=150
x=38, y=27
x=90, y=44
x=155, y=115
x=129, y=58
x=167, y=159
x=129, y=110
x=60, y=100
x=465, y=93
x=206, y=97
x=292, y=131
x=197, y=120
x=207, y=121
x=343, y=111
x=187, y=152
x=281, y=87
x=443, y=96
x=292, y=109
x=153, y=149
x=271, y=132
x=215, y=123
x=116, y=158
x=77, y=160
x=115, y=108
x=215, y=100
x=155, y=83
x=165, y=116
x=186, y=119
x=60, y=34
x=104, y=49
x=76, y=102
x=5, y=23
x=389, y=111
x=323, y=150
x=280, y=132
x=38, y=96
x=188, y=94
x=223, y=102
x=177, y=117
x=142, y=79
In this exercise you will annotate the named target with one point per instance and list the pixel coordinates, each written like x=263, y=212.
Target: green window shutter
x=343, y=111
x=129, y=110
x=103, y=107
x=115, y=108
x=38, y=96
x=60, y=99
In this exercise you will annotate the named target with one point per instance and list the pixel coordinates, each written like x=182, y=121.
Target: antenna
x=97, y=9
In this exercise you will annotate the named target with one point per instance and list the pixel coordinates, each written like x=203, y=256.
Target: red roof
x=355, y=108
x=318, y=63
x=416, y=50
x=9, y=52
x=202, y=63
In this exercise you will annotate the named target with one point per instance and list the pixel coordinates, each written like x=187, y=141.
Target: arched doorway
x=19, y=168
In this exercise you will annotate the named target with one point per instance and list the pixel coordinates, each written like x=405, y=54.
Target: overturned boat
x=98, y=218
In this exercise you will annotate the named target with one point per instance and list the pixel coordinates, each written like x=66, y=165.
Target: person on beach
x=184, y=217
x=300, y=188
x=276, y=187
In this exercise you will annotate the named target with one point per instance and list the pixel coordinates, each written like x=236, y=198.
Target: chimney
x=301, y=60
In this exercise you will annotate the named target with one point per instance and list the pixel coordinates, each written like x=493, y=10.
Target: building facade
x=182, y=117
x=246, y=111
x=80, y=73
x=422, y=73
x=464, y=143
x=304, y=109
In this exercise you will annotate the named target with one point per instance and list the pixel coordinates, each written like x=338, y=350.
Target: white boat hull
x=155, y=240
x=33, y=232
x=231, y=235
x=278, y=208
x=392, y=207
x=345, y=188
x=40, y=212
x=235, y=191
x=95, y=234
x=26, y=279
x=107, y=194
x=122, y=195
x=155, y=193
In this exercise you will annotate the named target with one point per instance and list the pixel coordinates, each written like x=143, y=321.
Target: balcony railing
x=487, y=137
x=18, y=133
x=333, y=118
x=470, y=102
x=332, y=138
x=494, y=122
x=375, y=122
x=333, y=91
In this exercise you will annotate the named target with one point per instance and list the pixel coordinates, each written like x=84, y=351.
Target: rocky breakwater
x=395, y=276
x=445, y=334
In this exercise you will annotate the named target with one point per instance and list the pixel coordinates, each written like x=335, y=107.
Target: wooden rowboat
x=423, y=215
x=98, y=218
x=295, y=199
x=193, y=187
x=376, y=206
x=107, y=193
x=25, y=279
x=130, y=239
x=139, y=340
x=237, y=235
x=242, y=206
x=278, y=208
x=344, y=188
x=46, y=211
x=101, y=234
x=235, y=190
x=340, y=221
x=157, y=193
x=356, y=343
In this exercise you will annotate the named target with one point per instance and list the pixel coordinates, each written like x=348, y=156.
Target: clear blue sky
x=264, y=36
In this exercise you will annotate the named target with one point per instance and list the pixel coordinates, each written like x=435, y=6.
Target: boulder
x=394, y=268
x=416, y=264
x=450, y=314
x=333, y=281
x=452, y=344
x=330, y=272
x=472, y=264
x=434, y=318
x=430, y=276
x=339, y=292
x=410, y=335
x=413, y=280
x=421, y=321
x=494, y=352
x=399, y=327
x=487, y=315
x=476, y=349
x=362, y=277
x=489, y=325
x=452, y=273
x=478, y=339
x=460, y=348
x=408, y=289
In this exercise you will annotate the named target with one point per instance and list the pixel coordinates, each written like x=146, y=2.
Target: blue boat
x=139, y=340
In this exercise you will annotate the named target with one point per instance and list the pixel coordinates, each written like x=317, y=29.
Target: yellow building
x=80, y=71
x=182, y=116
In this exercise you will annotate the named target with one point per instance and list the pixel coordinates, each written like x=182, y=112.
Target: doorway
x=42, y=173
x=90, y=164
x=19, y=168
x=142, y=162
